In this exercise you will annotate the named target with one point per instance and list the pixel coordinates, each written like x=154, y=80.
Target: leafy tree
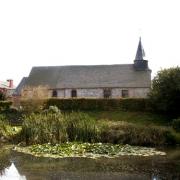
x=2, y=96
x=165, y=92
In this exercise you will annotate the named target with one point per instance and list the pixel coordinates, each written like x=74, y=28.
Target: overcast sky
x=73, y=32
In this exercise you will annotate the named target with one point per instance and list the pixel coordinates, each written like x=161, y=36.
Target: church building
x=90, y=81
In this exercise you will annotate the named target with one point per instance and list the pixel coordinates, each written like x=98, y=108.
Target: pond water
x=14, y=165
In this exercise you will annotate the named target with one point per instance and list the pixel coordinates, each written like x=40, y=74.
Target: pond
x=14, y=165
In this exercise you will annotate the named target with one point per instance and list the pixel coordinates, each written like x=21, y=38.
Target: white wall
x=98, y=93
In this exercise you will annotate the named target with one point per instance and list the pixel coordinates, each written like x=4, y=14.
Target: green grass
x=140, y=118
x=117, y=127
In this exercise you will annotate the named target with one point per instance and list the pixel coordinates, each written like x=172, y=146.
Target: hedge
x=4, y=105
x=129, y=104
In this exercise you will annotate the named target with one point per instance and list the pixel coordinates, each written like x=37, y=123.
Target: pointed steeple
x=140, y=51
x=139, y=63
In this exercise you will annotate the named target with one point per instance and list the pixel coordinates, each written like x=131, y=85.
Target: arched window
x=107, y=93
x=54, y=93
x=73, y=93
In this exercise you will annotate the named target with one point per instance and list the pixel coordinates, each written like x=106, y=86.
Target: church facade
x=90, y=81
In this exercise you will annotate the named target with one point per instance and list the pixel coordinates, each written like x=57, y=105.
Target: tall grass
x=128, y=133
x=81, y=127
x=43, y=128
x=52, y=126
x=57, y=128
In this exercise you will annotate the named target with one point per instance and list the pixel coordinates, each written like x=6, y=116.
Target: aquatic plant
x=81, y=127
x=90, y=150
x=43, y=128
x=128, y=133
x=57, y=128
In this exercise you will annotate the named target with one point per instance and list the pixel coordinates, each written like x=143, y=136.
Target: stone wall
x=98, y=93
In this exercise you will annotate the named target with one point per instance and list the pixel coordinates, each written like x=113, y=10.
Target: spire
x=140, y=51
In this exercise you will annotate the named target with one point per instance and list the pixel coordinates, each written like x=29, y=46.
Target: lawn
x=140, y=118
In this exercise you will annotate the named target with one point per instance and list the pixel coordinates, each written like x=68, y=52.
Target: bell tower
x=139, y=63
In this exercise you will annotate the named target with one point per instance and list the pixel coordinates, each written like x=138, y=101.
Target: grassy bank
x=8, y=130
x=116, y=127
x=108, y=127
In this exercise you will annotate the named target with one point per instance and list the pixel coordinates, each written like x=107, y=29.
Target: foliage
x=176, y=124
x=91, y=150
x=57, y=128
x=81, y=127
x=137, y=118
x=51, y=127
x=7, y=132
x=5, y=105
x=129, y=104
x=43, y=128
x=54, y=109
x=4, y=158
x=165, y=93
x=2, y=96
x=2, y=128
x=127, y=133
x=32, y=105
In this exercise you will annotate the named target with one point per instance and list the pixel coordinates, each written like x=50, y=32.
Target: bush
x=126, y=133
x=5, y=105
x=129, y=104
x=2, y=96
x=176, y=124
x=81, y=127
x=165, y=93
x=55, y=128
x=32, y=105
x=43, y=128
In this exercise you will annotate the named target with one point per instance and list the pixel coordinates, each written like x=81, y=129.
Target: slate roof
x=91, y=76
x=18, y=89
x=140, y=54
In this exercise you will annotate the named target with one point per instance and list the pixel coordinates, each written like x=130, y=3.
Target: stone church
x=90, y=81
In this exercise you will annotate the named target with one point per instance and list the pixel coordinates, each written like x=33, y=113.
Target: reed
x=49, y=127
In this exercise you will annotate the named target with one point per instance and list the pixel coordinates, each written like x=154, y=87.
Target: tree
x=2, y=96
x=165, y=92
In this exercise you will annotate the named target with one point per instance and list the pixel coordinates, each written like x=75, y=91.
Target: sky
x=86, y=32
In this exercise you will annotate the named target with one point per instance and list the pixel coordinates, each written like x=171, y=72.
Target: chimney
x=10, y=83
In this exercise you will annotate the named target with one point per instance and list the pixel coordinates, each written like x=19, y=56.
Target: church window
x=73, y=93
x=125, y=93
x=107, y=93
x=54, y=93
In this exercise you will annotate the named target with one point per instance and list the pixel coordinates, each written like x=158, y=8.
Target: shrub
x=129, y=104
x=53, y=109
x=165, y=93
x=81, y=127
x=5, y=105
x=32, y=105
x=55, y=128
x=176, y=124
x=126, y=133
x=2, y=96
x=2, y=128
x=43, y=128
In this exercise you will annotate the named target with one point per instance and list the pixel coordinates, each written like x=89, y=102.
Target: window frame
x=107, y=93
x=73, y=93
x=125, y=93
x=54, y=93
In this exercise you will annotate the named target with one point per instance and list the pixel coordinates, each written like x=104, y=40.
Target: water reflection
x=11, y=173
x=124, y=168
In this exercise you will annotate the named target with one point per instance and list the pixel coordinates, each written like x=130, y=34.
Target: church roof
x=140, y=54
x=18, y=89
x=89, y=76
